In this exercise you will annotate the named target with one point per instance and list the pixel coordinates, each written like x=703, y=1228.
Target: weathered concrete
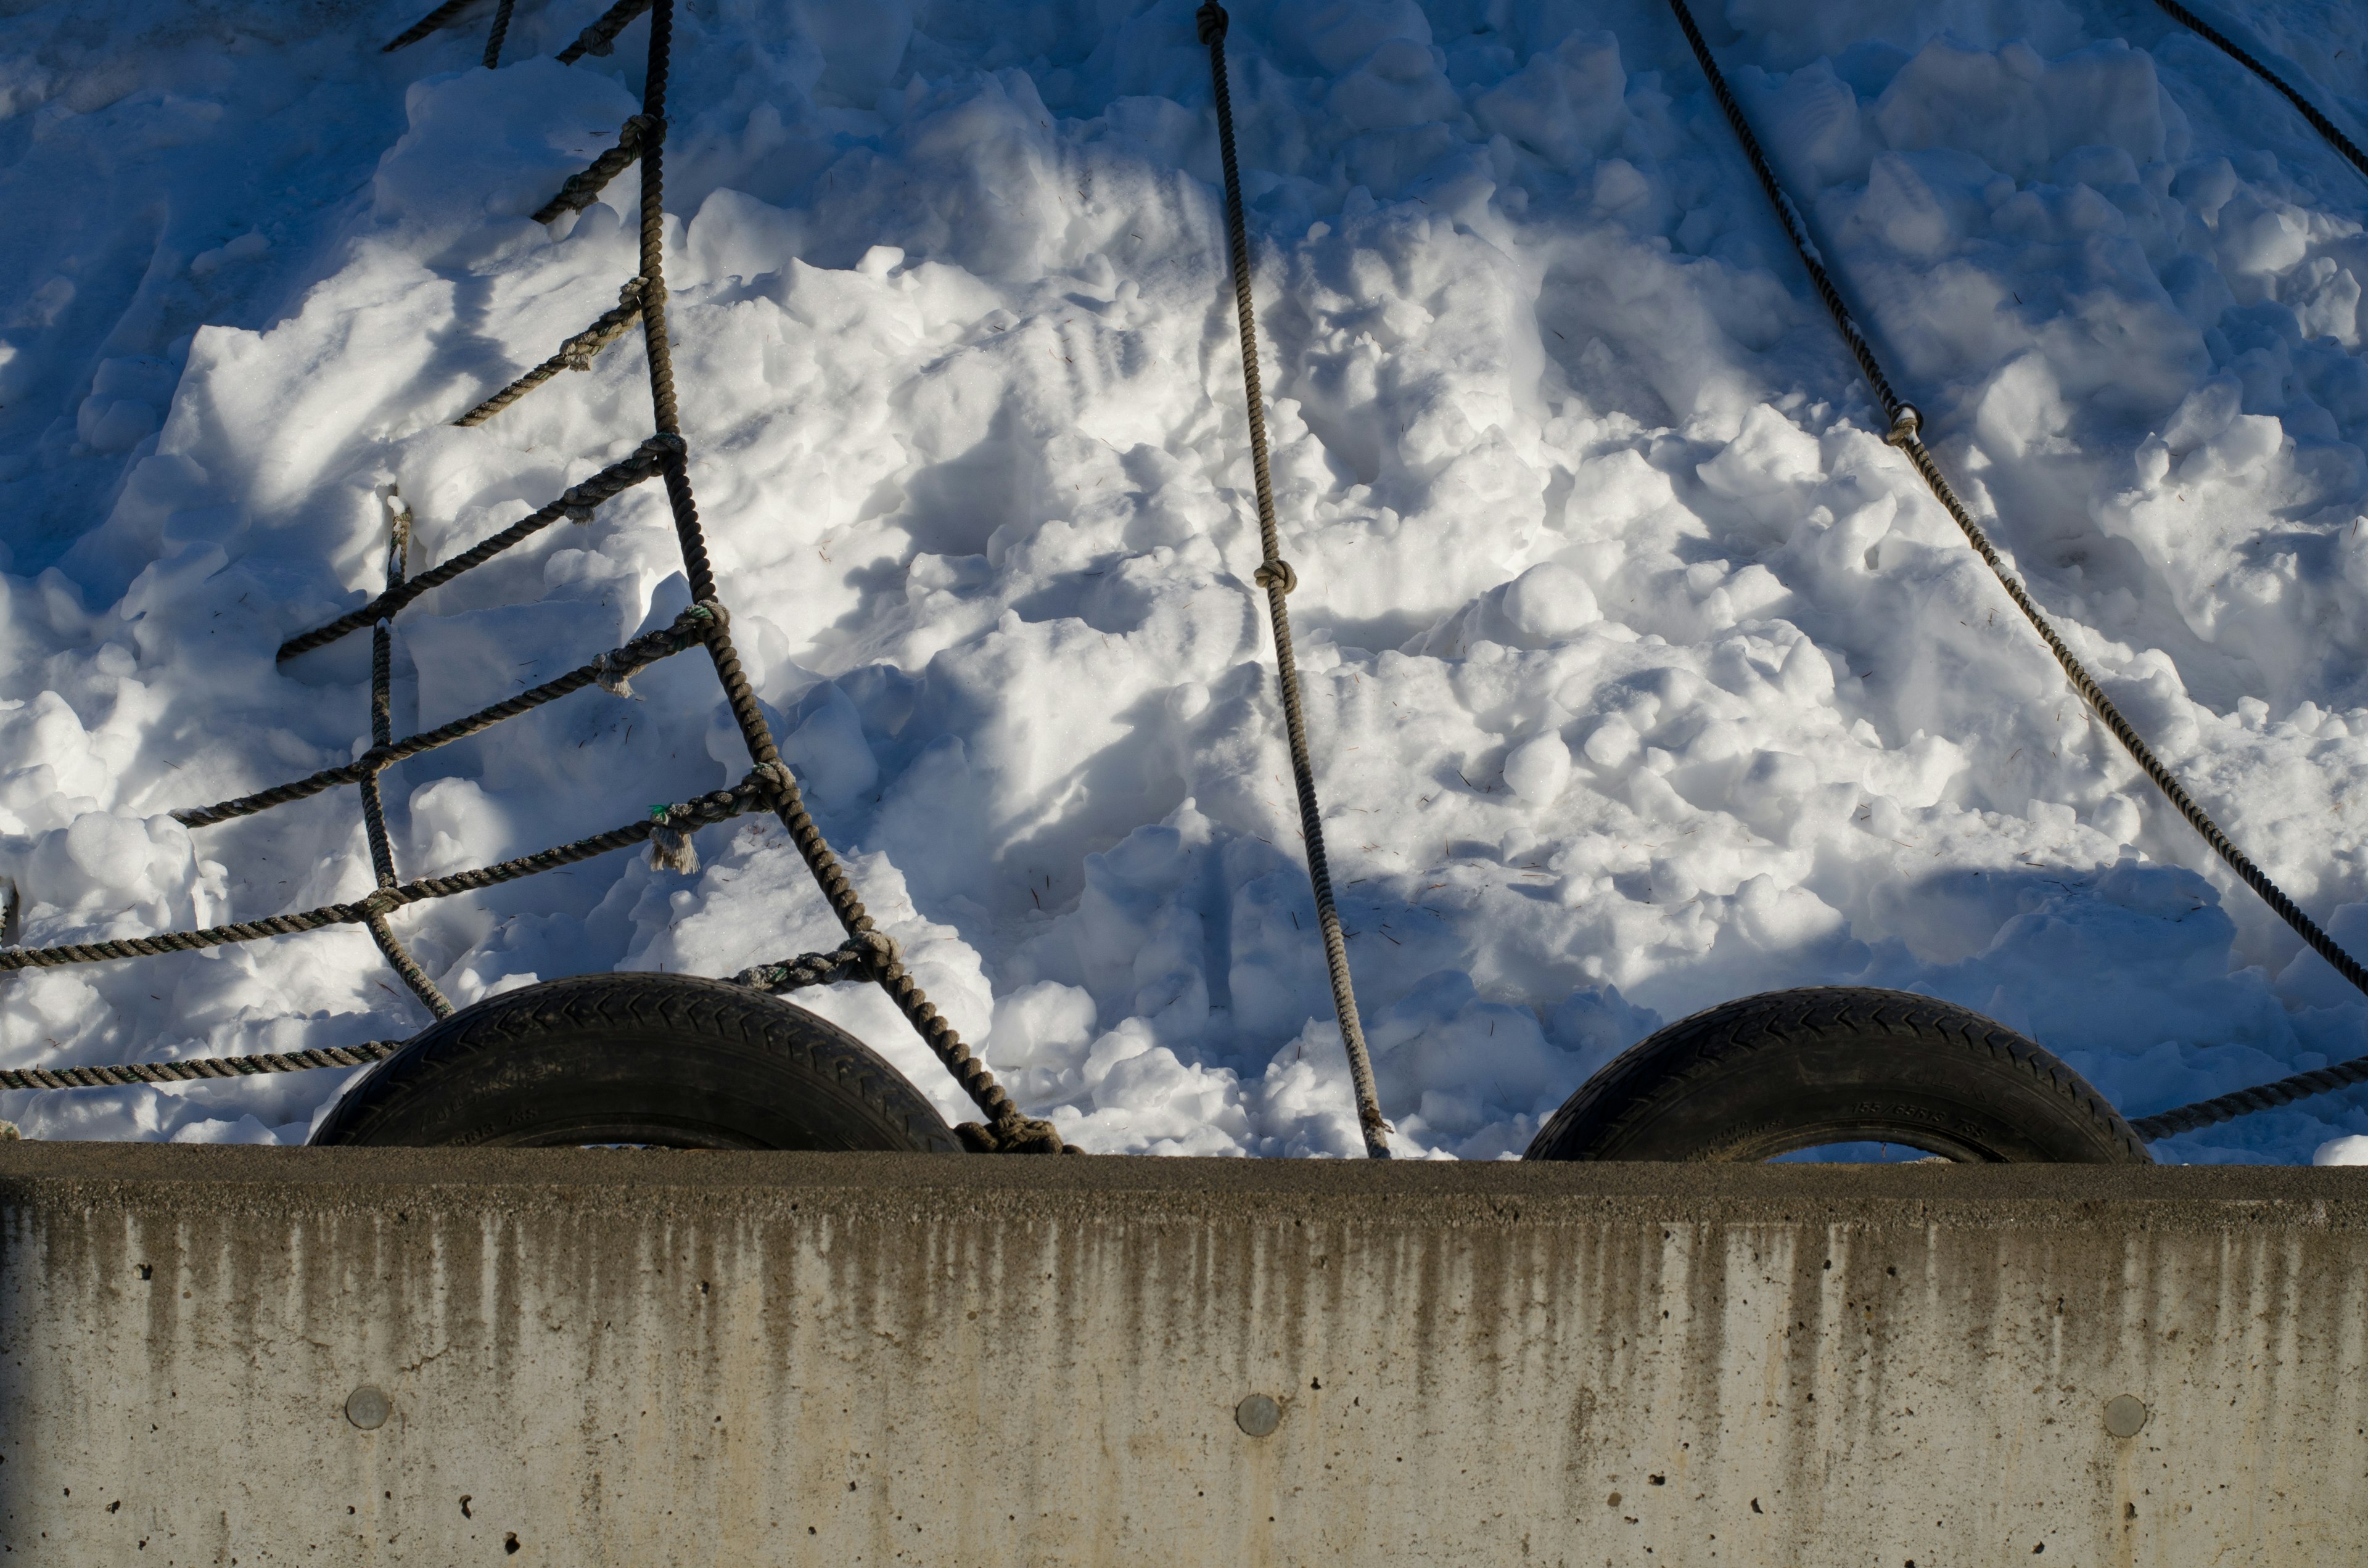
x=652, y=1359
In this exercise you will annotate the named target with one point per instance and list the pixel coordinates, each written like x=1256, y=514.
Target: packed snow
x=1641, y=673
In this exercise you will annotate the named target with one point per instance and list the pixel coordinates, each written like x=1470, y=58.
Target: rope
x=382, y=848
x=610, y=670
x=1275, y=575
x=440, y=18
x=863, y=958
x=600, y=38
x=1005, y=1127
x=582, y=190
x=197, y=1067
x=2320, y=122
x=501, y=30
x=1906, y=434
x=575, y=353
x=751, y=795
x=576, y=505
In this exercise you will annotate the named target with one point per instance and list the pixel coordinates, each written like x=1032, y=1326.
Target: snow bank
x=1641, y=673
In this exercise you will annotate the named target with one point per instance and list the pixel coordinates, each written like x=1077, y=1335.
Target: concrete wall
x=709, y=1359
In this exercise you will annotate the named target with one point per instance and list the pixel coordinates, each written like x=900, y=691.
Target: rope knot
x=615, y=676
x=1012, y=1134
x=664, y=444
x=671, y=849
x=705, y=619
x=1212, y=22
x=1904, y=426
x=378, y=902
x=1276, y=572
x=774, y=779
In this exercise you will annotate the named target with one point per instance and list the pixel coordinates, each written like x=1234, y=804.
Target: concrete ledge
x=723, y=1359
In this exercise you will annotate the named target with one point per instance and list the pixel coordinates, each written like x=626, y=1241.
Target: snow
x=1641, y=673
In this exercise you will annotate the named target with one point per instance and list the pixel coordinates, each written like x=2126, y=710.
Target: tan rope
x=1275, y=575
x=1907, y=434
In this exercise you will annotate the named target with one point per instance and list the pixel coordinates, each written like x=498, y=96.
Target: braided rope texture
x=582, y=190
x=500, y=30
x=382, y=847
x=610, y=670
x=1275, y=575
x=2320, y=122
x=576, y=504
x=576, y=354
x=600, y=38
x=1906, y=426
x=751, y=795
x=440, y=18
x=1005, y=1129
x=196, y=1068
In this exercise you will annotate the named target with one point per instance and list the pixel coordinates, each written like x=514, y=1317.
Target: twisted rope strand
x=1005, y=1127
x=197, y=1067
x=382, y=847
x=582, y=190
x=442, y=16
x=576, y=504
x=1276, y=577
x=501, y=29
x=690, y=629
x=600, y=38
x=1906, y=434
x=752, y=794
x=2320, y=122
x=576, y=354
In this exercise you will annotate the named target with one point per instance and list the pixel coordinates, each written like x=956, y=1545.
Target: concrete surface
x=257, y=1355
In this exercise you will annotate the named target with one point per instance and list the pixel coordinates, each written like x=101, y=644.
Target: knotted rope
x=1907, y=434
x=1274, y=574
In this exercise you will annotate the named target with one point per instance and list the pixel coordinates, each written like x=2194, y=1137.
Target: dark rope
x=2320, y=122
x=610, y=670
x=752, y=794
x=1005, y=1129
x=1906, y=434
x=575, y=353
x=501, y=29
x=859, y=957
x=576, y=505
x=442, y=16
x=196, y=1068
x=600, y=38
x=582, y=190
x=382, y=847
x=1275, y=575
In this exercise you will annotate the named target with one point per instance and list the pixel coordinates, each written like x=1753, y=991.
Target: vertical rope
x=382, y=848
x=1275, y=575
x=501, y=30
x=1005, y=1127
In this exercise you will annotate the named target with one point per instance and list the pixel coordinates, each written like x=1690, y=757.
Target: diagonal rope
x=442, y=16
x=1906, y=434
x=610, y=672
x=2219, y=39
x=1275, y=575
x=582, y=190
x=752, y=794
x=576, y=505
x=1005, y=1129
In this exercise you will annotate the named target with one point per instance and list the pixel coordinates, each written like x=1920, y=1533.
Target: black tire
x=665, y=1059
x=1765, y=1075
